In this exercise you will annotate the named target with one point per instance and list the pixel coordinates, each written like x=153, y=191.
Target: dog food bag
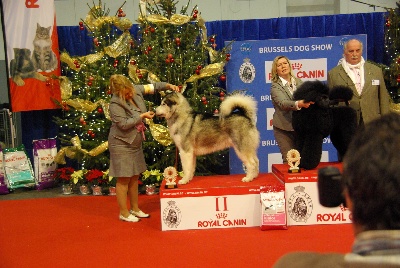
x=273, y=208
x=44, y=152
x=3, y=185
x=18, y=168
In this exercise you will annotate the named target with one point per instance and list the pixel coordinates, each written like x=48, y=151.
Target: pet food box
x=302, y=201
x=210, y=202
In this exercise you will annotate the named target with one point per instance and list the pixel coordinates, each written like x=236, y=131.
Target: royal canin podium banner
x=30, y=35
x=249, y=69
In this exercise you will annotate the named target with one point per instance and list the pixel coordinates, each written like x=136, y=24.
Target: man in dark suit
x=370, y=184
x=371, y=99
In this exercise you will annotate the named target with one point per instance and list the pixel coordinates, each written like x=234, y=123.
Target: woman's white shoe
x=130, y=218
x=139, y=214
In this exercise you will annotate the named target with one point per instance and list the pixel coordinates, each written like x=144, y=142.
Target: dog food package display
x=3, y=185
x=18, y=168
x=44, y=152
x=273, y=208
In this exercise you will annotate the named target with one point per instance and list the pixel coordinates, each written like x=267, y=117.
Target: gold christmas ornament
x=65, y=87
x=160, y=133
x=209, y=70
x=72, y=151
x=395, y=107
x=120, y=46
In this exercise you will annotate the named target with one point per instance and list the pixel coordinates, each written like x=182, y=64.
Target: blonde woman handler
x=127, y=112
x=283, y=85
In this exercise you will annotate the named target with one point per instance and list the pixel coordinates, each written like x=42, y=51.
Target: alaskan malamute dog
x=197, y=134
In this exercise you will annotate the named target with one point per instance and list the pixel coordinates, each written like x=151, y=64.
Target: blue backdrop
x=39, y=125
x=250, y=69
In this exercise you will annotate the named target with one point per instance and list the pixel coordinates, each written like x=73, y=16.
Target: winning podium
x=208, y=202
x=302, y=201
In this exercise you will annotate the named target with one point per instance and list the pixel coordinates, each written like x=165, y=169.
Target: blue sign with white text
x=250, y=69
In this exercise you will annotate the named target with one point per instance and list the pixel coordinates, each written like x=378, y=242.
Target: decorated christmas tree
x=392, y=47
x=168, y=47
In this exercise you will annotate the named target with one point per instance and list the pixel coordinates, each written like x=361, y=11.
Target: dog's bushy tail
x=239, y=101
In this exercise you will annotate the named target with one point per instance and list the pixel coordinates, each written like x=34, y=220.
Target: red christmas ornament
x=146, y=52
x=91, y=78
x=180, y=87
x=199, y=67
x=138, y=71
x=398, y=78
x=222, y=78
x=203, y=99
x=194, y=16
x=109, y=92
x=167, y=61
x=216, y=111
x=140, y=76
x=214, y=45
x=132, y=62
x=92, y=135
x=197, y=71
x=172, y=60
x=80, y=23
x=221, y=98
x=177, y=40
x=100, y=110
x=152, y=30
x=149, y=48
x=81, y=28
x=221, y=94
x=81, y=119
x=89, y=83
x=195, y=11
x=89, y=131
x=212, y=40
x=170, y=56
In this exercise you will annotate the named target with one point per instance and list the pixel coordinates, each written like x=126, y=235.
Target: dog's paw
x=247, y=179
x=183, y=181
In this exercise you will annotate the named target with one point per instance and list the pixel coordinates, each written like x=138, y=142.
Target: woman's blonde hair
x=121, y=85
x=274, y=72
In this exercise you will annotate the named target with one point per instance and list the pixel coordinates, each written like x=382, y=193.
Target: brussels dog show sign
x=249, y=69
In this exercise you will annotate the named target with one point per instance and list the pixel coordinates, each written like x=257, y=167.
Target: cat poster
x=33, y=60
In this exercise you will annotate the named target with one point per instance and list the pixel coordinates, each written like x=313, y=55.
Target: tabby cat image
x=21, y=67
x=43, y=57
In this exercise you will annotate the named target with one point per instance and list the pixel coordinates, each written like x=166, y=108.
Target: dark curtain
x=39, y=124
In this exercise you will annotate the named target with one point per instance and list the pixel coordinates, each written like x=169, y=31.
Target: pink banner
x=32, y=54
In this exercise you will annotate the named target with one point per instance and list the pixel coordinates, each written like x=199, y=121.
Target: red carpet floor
x=84, y=231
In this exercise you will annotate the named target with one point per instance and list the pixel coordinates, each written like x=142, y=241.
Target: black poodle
x=329, y=115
